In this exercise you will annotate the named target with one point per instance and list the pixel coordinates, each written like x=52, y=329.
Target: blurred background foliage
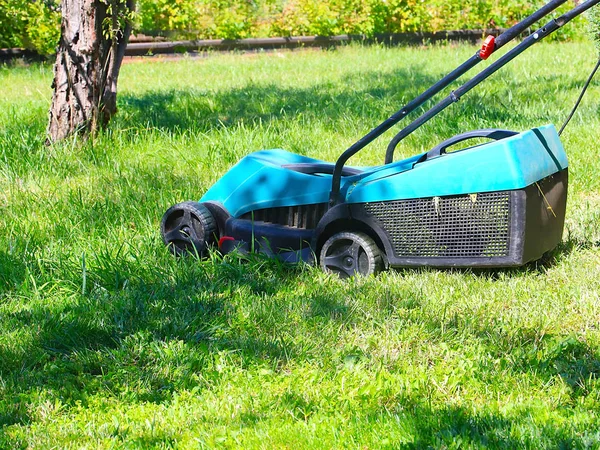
x=35, y=24
x=30, y=24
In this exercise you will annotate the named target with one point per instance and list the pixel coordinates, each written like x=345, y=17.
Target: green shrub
x=204, y=18
x=35, y=23
x=594, y=26
x=261, y=18
x=324, y=18
x=30, y=24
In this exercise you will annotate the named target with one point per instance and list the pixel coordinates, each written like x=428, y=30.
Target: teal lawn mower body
x=459, y=209
x=497, y=204
x=276, y=178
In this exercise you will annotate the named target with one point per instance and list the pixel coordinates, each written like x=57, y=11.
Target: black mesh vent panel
x=465, y=226
x=305, y=216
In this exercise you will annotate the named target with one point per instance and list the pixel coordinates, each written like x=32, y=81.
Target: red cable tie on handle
x=488, y=47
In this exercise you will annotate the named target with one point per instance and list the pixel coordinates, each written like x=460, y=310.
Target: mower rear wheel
x=188, y=228
x=351, y=253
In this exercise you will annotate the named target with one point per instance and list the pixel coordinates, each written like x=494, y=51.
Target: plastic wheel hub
x=351, y=253
x=188, y=227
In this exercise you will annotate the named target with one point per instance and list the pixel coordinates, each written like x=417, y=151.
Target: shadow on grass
x=362, y=97
x=547, y=356
x=574, y=361
x=12, y=271
x=202, y=110
x=547, y=261
x=458, y=427
x=437, y=428
x=156, y=335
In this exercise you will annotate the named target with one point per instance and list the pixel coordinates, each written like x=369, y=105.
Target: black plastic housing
x=491, y=229
x=497, y=229
x=268, y=238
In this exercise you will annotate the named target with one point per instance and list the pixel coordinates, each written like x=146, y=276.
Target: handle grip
x=490, y=133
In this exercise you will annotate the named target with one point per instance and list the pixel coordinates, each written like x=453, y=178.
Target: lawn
x=107, y=341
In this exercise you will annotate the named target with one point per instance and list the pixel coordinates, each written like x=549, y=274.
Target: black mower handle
x=488, y=48
x=323, y=168
x=489, y=133
x=456, y=95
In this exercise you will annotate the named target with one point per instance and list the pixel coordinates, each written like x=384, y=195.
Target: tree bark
x=88, y=60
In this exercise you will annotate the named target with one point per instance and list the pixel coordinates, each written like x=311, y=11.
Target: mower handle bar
x=320, y=168
x=500, y=41
x=489, y=133
x=455, y=96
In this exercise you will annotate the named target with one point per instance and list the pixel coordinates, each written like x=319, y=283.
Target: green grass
x=107, y=341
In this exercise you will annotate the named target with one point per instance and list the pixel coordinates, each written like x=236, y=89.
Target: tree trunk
x=94, y=35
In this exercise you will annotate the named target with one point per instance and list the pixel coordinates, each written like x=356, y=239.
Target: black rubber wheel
x=188, y=227
x=351, y=253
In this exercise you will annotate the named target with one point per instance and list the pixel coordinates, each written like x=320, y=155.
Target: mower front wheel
x=188, y=228
x=351, y=253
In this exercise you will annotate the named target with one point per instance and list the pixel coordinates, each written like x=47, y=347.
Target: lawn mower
x=498, y=204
